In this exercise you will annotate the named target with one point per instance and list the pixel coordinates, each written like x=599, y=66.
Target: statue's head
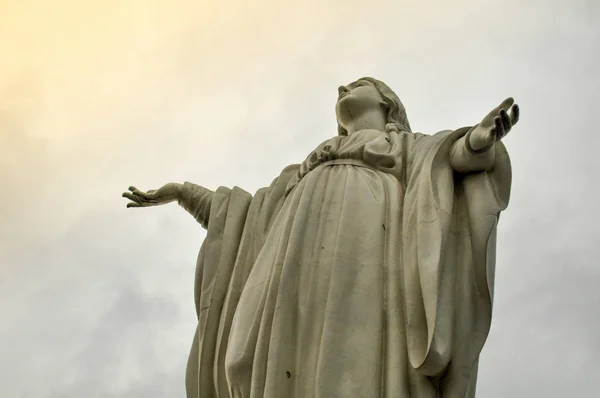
x=375, y=90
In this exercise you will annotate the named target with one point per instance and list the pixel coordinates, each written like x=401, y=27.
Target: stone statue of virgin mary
x=365, y=271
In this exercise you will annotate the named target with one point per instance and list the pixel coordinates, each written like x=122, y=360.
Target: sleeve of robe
x=236, y=231
x=449, y=240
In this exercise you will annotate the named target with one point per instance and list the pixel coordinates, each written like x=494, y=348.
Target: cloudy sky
x=97, y=300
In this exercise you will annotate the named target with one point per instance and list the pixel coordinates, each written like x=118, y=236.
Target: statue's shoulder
x=291, y=169
x=288, y=173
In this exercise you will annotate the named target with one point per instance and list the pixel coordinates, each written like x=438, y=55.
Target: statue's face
x=355, y=99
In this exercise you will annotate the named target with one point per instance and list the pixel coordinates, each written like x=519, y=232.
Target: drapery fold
x=443, y=275
x=449, y=261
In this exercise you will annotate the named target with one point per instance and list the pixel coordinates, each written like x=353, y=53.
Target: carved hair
x=396, y=118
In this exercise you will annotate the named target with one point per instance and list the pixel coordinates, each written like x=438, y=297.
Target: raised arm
x=193, y=198
x=474, y=151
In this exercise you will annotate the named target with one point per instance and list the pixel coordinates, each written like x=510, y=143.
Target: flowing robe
x=365, y=271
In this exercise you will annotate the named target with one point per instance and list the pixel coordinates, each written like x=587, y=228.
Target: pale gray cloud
x=97, y=299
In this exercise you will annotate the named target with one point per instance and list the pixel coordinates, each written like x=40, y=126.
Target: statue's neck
x=367, y=120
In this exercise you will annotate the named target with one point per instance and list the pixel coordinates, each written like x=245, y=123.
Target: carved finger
x=505, y=120
x=132, y=197
x=144, y=195
x=506, y=104
x=514, y=114
x=499, y=127
x=141, y=197
x=143, y=204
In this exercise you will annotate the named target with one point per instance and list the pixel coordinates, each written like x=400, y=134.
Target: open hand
x=167, y=193
x=495, y=125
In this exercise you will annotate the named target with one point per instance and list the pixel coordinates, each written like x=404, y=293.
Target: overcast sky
x=96, y=300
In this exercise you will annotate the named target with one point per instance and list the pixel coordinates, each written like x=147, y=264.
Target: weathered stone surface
x=365, y=271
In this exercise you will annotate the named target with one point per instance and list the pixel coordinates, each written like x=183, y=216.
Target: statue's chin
x=345, y=109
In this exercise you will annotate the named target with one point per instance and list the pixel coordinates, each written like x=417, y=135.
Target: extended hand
x=495, y=125
x=167, y=193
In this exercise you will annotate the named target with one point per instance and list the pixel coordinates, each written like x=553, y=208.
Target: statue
x=365, y=271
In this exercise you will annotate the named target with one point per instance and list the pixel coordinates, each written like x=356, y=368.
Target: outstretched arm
x=193, y=198
x=196, y=200
x=475, y=151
